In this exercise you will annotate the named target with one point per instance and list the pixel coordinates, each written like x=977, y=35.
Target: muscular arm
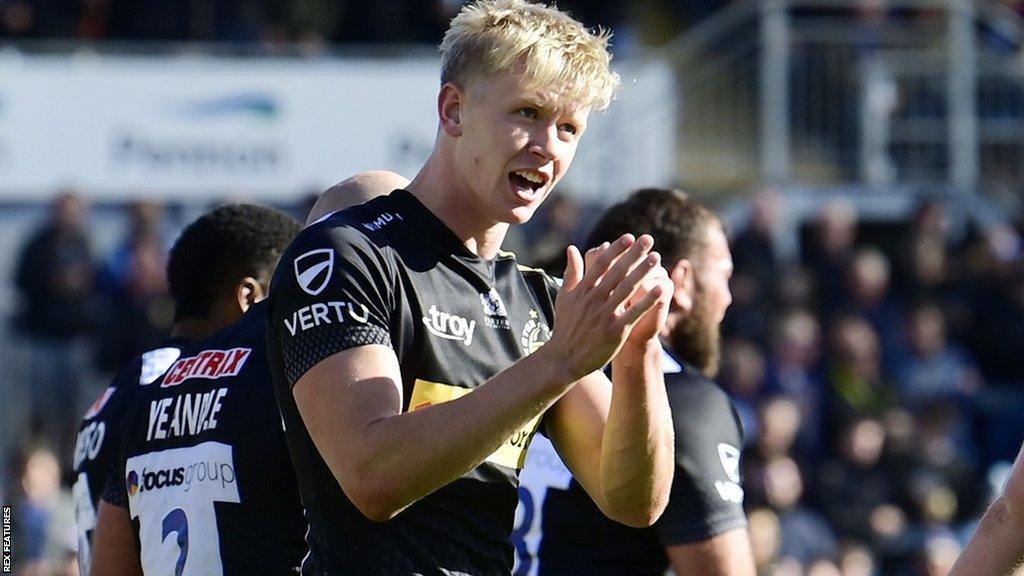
x=351, y=403
x=351, y=406
x=727, y=554
x=114, y=549
x=617, y=438
x=997, y=547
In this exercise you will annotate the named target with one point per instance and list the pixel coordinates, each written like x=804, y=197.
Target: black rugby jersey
x=204, y=468
x=560, y=531
x=99, y=437
x=389, y=272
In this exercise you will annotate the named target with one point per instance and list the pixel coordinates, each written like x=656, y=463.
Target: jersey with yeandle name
x=388, y=272
x=99, y=437
x=204, y=469
x=560, y=531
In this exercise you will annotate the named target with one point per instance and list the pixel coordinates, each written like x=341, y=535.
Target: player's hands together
x=612, y=291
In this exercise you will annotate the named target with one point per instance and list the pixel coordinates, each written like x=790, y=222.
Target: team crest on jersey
x=535, y=334
x=208, y=364
x=495, y=313
x=313, y=269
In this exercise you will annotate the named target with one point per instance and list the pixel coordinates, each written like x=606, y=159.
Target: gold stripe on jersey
x=511, y=454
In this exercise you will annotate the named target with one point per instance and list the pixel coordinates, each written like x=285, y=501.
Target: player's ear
x=248, y=292
x=682, y=277
x=449, y=108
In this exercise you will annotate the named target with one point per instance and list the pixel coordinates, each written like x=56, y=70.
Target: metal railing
x=826, y=92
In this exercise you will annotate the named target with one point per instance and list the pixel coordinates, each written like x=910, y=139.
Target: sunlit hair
x=552, y=50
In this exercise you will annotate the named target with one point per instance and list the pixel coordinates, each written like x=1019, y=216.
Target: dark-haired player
x=703, y=530
x=219, y=266
x=203, y=481
x=415, y=361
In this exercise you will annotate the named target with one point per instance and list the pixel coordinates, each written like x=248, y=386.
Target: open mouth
x=528, y=180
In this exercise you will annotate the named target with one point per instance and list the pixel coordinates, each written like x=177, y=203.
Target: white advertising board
x=196, y=128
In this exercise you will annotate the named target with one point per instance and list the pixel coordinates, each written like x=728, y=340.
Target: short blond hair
x=557, y=52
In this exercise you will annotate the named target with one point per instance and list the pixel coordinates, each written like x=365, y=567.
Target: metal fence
x=838, y=91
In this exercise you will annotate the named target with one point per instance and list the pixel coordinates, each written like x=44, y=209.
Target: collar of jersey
x=429, y=227
x=670, y=364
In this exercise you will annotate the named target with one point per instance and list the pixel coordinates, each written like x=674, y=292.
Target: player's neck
x=445, y=197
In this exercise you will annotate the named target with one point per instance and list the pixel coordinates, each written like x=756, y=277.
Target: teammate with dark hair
x=219, y=266
x=703, y=530
x=204, y=482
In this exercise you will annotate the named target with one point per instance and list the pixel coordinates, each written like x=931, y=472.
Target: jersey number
x=525, y=515
x=176, y=522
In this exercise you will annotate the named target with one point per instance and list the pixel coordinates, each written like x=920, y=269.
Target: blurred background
x=866, y=155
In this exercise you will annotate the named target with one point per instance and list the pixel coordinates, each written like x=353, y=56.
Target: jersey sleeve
x=333, y=290
x=706, y=497
x=114, y=491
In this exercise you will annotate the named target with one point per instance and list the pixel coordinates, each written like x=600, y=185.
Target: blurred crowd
x=272, y=22
x=878, y=376
x=879, y=383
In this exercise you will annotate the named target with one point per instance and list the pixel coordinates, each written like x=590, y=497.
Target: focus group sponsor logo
x=449, y=326
x=495, y=313
x=183, y=468
x=313, y=270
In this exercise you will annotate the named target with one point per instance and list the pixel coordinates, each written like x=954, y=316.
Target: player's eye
x=528, y=112
x=570, y=128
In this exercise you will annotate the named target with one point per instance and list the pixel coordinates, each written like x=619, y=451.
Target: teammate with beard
x=703, y=530
x=218, y=267
x=204, y=463
x=997, y=547
x=414, y=361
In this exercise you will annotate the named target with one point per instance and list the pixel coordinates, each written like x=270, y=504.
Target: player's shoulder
x=534, y=277
x=133, y=377
x=696, y=400
x=368, y=223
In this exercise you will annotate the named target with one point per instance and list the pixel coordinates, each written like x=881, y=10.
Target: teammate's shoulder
x=693, y=391
x=366, y=219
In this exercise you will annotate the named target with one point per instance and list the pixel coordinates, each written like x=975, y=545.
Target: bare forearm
x=638, y=445
x=403, y=458
x=996, y=546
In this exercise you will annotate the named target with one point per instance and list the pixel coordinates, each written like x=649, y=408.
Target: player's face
x=516, y=144
x=715, y=274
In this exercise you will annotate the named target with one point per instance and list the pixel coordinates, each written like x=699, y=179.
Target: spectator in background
x=765, y=537
x=831, y=250
x=998, y=306
x=867, y=295
x=45, y=516
x=793, y=370
x=933, y=369
x=756, y=271
x=140, y=307
x=806, y=536
x=560, y=222
x=743, y=372
x=854, y=488
x=856, y=384
x=55, y=278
